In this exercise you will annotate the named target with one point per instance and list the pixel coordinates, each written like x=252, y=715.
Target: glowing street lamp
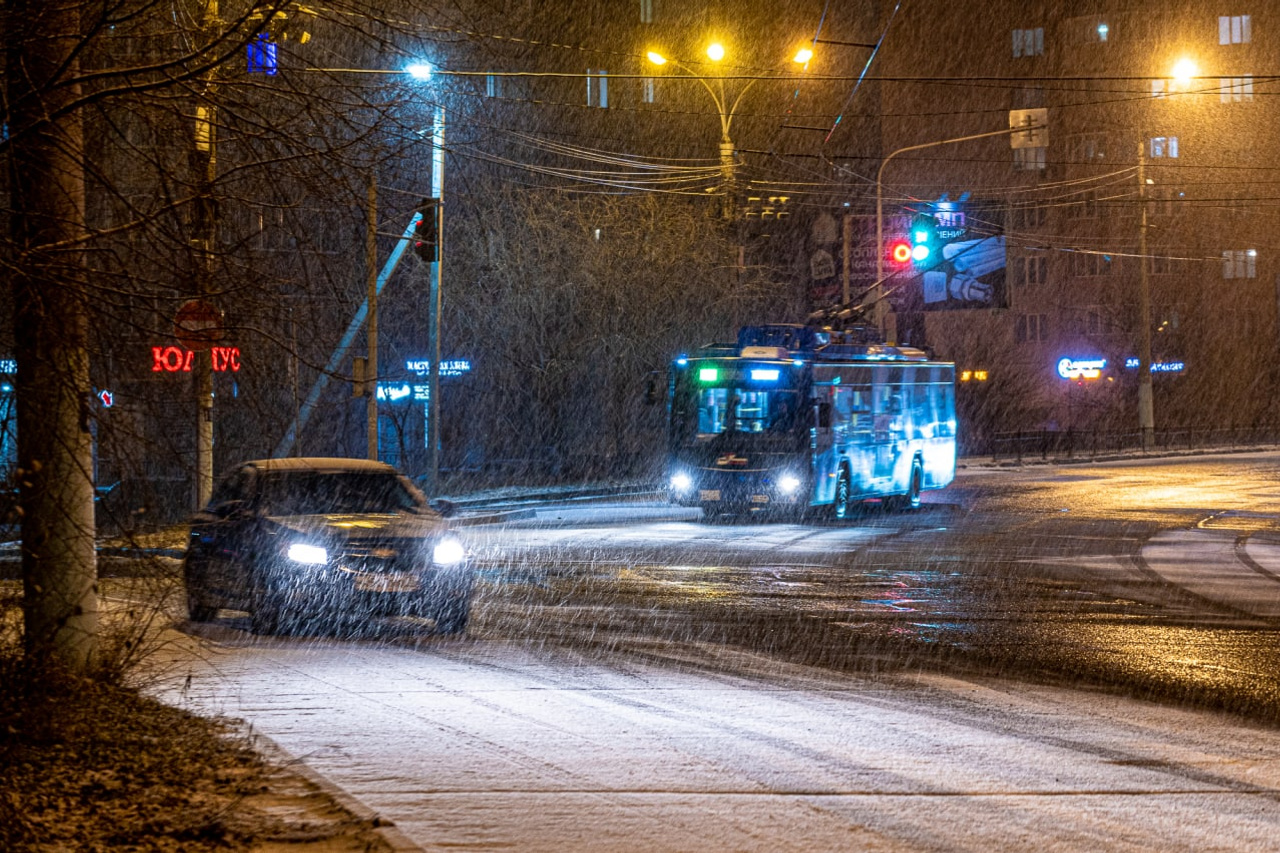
x=716, y=52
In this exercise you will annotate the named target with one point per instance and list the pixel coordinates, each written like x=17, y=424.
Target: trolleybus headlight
x=788, y=483
x=681, y=482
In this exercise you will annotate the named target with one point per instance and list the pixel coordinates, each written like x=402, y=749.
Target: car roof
x=324, y=464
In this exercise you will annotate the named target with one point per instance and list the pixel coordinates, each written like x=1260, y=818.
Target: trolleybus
x=794, y=418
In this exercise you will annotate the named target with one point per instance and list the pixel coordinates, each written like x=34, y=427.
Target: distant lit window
x=493, y=85
x=1103, y=31
x=597, y=88
x=1234, y=29
x=262, y=55
x=1240, y=263
x=1236, y=88
x=1028, y=42
x=1163, y=146
x=1159, y=87
x=646, y=11
x=648, y=90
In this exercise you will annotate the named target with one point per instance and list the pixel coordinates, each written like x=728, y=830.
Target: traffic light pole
x=878, y=303
x=371, y=365
x=433, y=344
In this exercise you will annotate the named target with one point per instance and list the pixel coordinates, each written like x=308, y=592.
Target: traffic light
x=900, y=252
x=426, y=234
x=925, y=251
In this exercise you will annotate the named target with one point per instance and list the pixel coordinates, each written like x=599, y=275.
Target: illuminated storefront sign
x=1081, y=368
x=175, y=359
x=1158, y=366
x=452, y=367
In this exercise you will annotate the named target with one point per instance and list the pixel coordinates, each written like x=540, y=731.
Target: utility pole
x=1146, y=405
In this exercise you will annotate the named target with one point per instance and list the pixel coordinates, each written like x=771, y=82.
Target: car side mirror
x=444, y=507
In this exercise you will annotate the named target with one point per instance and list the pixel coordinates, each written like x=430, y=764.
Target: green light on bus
x=708, y=374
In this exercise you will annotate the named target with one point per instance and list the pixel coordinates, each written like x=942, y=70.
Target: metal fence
x=1062, y=445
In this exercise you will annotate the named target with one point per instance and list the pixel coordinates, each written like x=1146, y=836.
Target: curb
x=385, y=829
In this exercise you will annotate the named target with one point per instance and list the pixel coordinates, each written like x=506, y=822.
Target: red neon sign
x=175, y=359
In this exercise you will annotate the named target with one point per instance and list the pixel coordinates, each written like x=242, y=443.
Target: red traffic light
x=900, y=252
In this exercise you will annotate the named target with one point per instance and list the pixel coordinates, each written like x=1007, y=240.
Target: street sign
x=1031, y=128
x=198, y=325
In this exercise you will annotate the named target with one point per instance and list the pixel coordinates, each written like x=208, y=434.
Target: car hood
x=363, y=526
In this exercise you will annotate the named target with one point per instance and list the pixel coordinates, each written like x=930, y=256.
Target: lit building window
x=493, y=85
x=597, y=88
x=1234, y=29
x=1236, y=88
x=1103, y=31
x=1240, y=263
x=1028, y=42
x=648, y=90
x=1163, y=146
x=646, y=11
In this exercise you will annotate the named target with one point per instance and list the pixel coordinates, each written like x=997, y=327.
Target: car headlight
x=311, y=555
x=788, y=483
x=681, y=482
x=448, y=551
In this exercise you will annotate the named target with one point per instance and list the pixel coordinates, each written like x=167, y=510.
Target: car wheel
x=269, y=613
x=198, y=610
x=453, y=616
x=842, y=507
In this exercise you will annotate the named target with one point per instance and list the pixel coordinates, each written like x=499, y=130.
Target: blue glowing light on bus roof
x=765, y=374
x=682, y=361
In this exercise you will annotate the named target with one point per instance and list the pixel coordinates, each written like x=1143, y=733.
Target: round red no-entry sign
x=198, y=324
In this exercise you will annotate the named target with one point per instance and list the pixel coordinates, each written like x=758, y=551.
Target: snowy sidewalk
x=487, y=746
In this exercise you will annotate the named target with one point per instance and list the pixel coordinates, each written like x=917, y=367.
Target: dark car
x=302, y=540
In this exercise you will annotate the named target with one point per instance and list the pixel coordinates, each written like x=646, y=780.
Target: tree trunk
x=47, y=230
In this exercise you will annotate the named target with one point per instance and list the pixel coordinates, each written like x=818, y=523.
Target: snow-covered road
x=484, y=745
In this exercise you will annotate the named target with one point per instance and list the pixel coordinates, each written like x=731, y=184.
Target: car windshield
x=335, y=493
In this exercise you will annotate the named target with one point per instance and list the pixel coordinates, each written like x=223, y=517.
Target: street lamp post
x=728, y=164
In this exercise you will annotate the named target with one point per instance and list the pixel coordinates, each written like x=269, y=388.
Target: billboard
x=957, y=254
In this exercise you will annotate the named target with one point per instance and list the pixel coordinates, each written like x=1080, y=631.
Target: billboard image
x=970, y=274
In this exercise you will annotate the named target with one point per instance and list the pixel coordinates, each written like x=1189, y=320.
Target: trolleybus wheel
x=917, y=481
x=842, y=507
